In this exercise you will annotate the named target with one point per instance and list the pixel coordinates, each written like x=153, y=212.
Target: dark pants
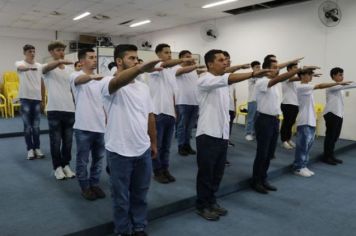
x=232, y=118
x=266, y=136
x=165, y=128
x=187, y=119
x=31, y=116
x=290, y=113
x=211, y=158
x=333, y=129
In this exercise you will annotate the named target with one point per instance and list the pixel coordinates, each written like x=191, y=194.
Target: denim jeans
x=129, y=180
x=60, y=124
x=305, y=139
x=187, y=119
x=165, y=129
x=211, y=158
x=251, y=114
x=31, y=116
x=267, y=130
x=89, y=142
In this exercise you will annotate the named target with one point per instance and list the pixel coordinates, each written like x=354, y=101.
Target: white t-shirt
x=251, y=90
x=163, y=89
x=30, y=81
x=335, y=99
x=127, y=118
x=268, y=99
x=60, y=96
x=187, y=93
x=289, y=93
x=305, y=96
x=213, y=100
x=232, y=89
x=89, y=112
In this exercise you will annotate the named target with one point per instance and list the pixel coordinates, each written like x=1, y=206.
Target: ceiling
x=38, y=14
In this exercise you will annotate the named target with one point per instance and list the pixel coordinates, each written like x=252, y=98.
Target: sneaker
x=218, y=209
x=88, y=194
x=269, y=186
x=183, y=151
x=190, y=150
x=302, y=172
x=231, y=144
x=249, y=137
x=30, y=155
x=338, y=161
x=208, y=214
x=160, y=178
x=139, y=233
x=39, y=154
x=309, y=171
x=329, y=161
x=99, y=193
x=59, y=174
x=286, y=145
x=291, y=143
x=259, y=188
x=68, y=172
x=168, y=175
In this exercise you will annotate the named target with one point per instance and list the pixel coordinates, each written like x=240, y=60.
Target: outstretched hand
x=149, y=66
x=297, y=60
x=246, y=66
x=317, y=74
x=188, y=60
x=262, y=72
x=65, y=62
x=310, y=68
x=345, y=83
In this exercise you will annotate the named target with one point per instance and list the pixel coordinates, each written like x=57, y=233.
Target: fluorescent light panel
x=81, y=16
x=140, y=23
x=214, y=4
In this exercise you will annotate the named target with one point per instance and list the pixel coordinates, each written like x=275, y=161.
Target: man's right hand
x=65, y=62
x=149, y=66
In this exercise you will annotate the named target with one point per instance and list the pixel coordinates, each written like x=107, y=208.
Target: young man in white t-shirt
x=163, y=89
x=60, y=110
x=267, y=123
x=306, y=121
x=251, y=104
x=186, y=102
x=89, y=126
x=213, y=130
x=31, y=95
x=130, y=140
x=333, y=115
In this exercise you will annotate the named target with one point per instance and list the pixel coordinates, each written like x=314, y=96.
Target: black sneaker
x=168, y=175
x=140, y=233
x=259, y=188
x=269, y=187
x=99, y=193
x=231, y=144
x=329, y=161
x=190, y=150
x=218, y=209
x=88, y=194
x=338, y=161
x=160, y=178
x=183, y=151
x=208, y=214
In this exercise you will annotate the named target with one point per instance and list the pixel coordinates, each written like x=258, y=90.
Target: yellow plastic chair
x=13, y=103
x=3, y=106
x=318, y=108
x=10, y=77
x=241, y=111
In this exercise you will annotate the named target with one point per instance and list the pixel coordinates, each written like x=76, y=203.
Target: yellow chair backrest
x=10, y=77
x=243, y=106
x=318, y=107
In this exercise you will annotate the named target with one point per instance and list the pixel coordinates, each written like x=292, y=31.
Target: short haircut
x=121, y=49
x=268, y=57
x=291, y=65
x=255, y=63
x=226, y=54
x=56, y=44
x=28, y=47
x=76, y=63
x=210, y=56
x=83, y=52
x=267, y=64
x=160, y=47
x=111, y=65
x=304, y=72
x=336, y=70
x=184, y=52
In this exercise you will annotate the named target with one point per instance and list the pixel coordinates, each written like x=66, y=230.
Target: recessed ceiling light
x=140, y=23
x=81, y=16
x=214, y=4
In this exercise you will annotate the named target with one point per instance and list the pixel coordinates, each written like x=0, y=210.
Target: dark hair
x=304, y=72
x=160, y=47
x=76, y=63
x=28, y=47
x=336, y=70
x=56, y=44
x=268, y=57
x=83, y=52
x=111, y=65
x=255, y=63
x=210, y=56
x=267, y=64
x=182, y=53
x=226, y=54
x=291, y=65
x=121, y=49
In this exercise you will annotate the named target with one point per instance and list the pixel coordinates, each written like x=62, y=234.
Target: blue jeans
x=165, y=129
x=187, y=119
x=251, y=114
x=60, y=125
x=305, y=139
x=31, y=116
x=130, y=180
x=89, y=142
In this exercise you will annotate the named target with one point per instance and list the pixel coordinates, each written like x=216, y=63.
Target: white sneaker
x=59, y=174
x=286, y=145
x=68, y=172
x=309, y=171
x=302, y=172
x=30, y=154
x=39, y=153
x=249, y=137
x=291, y=143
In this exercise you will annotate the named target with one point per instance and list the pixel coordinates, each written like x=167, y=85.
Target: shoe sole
x=207, y=218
